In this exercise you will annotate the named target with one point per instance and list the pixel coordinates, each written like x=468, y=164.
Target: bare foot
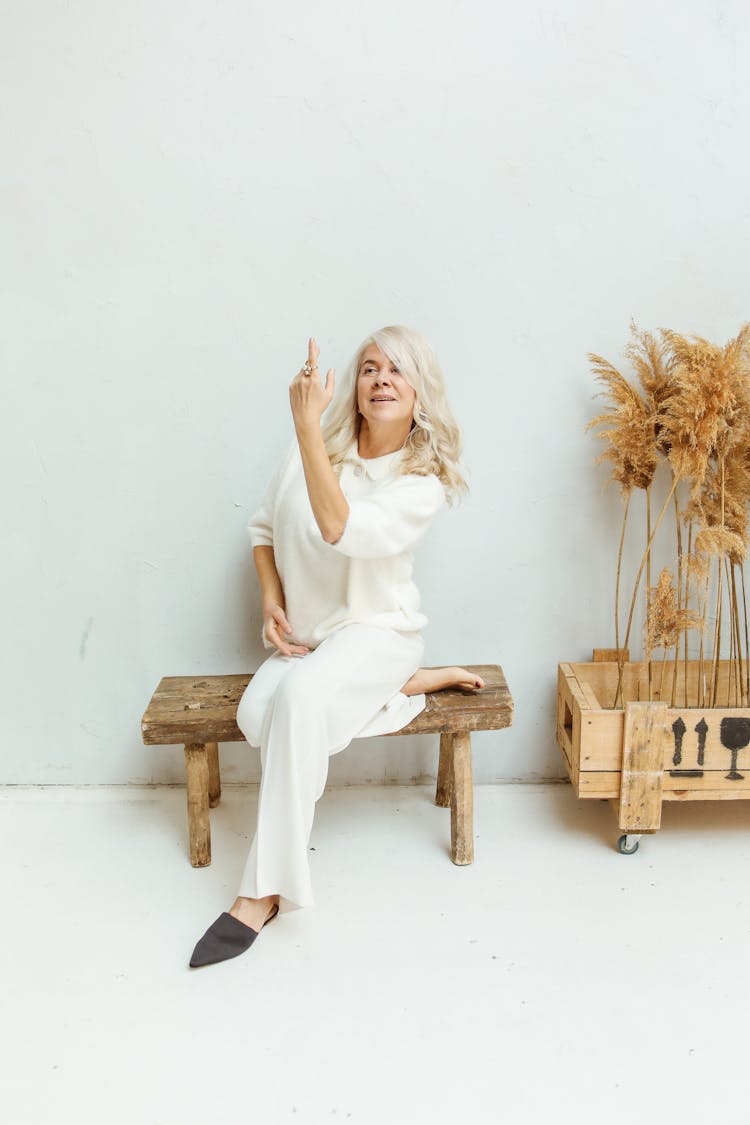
x=438, y=679
x=254, y=912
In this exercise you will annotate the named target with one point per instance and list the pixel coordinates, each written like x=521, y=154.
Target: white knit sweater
x=366, y=577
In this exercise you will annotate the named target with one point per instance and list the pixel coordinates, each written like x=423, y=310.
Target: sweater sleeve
x=260, y=526
x=392, y=519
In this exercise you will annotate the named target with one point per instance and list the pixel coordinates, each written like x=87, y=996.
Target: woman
x=332, y=545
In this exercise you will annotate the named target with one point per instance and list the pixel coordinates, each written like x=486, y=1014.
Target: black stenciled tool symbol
x=679, y=729
x=701, y=730
x=735, y=735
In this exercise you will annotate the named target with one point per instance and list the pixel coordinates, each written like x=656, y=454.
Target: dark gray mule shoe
x=226, y=937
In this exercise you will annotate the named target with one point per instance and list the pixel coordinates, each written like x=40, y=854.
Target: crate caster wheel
x=628, y=844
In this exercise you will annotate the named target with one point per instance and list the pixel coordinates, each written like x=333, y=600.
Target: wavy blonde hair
x=435, y=440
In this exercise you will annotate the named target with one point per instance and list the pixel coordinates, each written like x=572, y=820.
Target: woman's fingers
x=281, y=625
x=291, y=650
x=313, y=351
x=309, y=395
x=273, y=631
x=276, y=626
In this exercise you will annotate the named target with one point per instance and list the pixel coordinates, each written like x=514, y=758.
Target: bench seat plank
x=199, y=712
x=190, y=709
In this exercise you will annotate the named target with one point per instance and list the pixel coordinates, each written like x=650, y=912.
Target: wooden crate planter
x=643, y=753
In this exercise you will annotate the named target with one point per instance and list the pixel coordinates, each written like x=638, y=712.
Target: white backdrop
x=189, y=190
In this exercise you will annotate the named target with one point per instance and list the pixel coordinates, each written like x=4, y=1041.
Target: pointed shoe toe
x=226, y=937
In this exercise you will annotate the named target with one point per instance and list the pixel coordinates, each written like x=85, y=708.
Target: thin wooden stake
x=747, y=638
x=617, y=588
x=687, y=599
x=640, y=572
x=679, y=593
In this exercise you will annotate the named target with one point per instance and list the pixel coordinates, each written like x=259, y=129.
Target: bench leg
x=199, y=826
x=462, y=799
x=214, y=775
x=443, y=790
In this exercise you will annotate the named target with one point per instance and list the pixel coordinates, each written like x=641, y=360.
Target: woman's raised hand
x=308, y=394
x=276, y=627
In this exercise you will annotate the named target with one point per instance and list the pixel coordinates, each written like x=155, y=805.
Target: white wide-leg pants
x=300, y=711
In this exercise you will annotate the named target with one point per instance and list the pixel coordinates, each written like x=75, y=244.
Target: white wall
x=189, y=190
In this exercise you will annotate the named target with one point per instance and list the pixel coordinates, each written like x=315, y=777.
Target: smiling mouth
x=382, y=398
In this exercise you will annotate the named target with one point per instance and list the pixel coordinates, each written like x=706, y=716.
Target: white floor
x=552, y=980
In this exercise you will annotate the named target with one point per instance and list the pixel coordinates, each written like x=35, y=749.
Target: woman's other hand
x=308, y=395
x=276, y=628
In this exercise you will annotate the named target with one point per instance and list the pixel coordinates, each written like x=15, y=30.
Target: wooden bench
x=200, y=712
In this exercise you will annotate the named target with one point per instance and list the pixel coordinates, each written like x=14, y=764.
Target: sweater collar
x=373, y=467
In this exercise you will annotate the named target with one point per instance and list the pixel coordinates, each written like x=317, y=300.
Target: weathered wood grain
x=610, y=654
x=187, y=709
x=642, y=755
x=462, y=799
x=214, y=774
x=714, y=785
x=444, y=780
x=200, y=712
x=199, y=828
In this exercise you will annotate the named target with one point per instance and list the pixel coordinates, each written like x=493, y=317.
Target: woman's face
x=383, y=394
